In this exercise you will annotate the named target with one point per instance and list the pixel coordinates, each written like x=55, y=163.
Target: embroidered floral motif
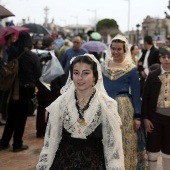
x=114, y=74
x=95, y=122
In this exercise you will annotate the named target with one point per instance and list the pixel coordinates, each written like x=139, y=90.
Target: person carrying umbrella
x=8, y=37
x=9, y=40
x=28, y=77
x=94, y=45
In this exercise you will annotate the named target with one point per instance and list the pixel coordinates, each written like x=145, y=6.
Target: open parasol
x=4, y=13
x=9, y=30
x=94, y=46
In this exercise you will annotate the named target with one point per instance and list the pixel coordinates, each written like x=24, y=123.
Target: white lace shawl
x=65, y=105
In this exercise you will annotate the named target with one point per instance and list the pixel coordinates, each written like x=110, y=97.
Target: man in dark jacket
x=150, y=56
x=29, y=73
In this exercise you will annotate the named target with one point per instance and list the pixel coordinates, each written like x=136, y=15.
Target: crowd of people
x=110, y=115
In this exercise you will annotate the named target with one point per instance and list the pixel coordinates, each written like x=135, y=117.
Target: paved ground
x=26, y=160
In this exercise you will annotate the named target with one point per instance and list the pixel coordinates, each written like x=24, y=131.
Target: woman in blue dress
x=121, y=82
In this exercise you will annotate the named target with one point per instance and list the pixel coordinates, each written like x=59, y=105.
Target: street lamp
x=76, y=17
x=95, y=15
x=128, y=16
x=137, y=34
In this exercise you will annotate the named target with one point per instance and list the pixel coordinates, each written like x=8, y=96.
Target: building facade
x=158, y=28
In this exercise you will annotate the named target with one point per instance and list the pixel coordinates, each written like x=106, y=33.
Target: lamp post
x=95, y=15
x=137, y=34
x=76, y=17
x=128, y=18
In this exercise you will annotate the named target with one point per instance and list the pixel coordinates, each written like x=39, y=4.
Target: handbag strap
x=15, y=89
x=25, y=50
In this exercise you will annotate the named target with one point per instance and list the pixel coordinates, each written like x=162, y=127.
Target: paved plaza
x=25, y=160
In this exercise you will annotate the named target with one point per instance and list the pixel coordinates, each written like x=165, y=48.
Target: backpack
x=8, y=73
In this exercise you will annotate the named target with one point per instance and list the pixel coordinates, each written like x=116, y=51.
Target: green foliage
x=107, y=24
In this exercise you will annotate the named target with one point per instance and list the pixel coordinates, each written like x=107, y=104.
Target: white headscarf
x=128, y=57
x=69, y=86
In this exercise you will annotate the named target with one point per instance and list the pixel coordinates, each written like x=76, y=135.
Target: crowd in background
x=125, y=71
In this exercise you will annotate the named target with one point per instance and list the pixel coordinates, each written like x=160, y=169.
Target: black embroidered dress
x=80, y=154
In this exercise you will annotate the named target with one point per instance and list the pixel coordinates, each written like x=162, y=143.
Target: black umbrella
x=37, y=29
x=4, y=13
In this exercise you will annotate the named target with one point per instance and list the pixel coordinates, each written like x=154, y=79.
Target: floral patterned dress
x=123, y=86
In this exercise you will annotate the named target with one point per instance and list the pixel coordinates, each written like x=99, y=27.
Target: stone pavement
x=26, y=160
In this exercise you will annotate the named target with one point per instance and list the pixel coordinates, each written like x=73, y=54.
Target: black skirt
x=79, y=154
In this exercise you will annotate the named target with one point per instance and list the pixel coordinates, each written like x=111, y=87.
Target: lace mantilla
x=102, y=109
x=91, y=117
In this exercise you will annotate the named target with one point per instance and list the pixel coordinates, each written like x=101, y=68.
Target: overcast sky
x=67, y=12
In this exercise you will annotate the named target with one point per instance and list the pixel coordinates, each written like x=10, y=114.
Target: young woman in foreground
x=83, y=131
